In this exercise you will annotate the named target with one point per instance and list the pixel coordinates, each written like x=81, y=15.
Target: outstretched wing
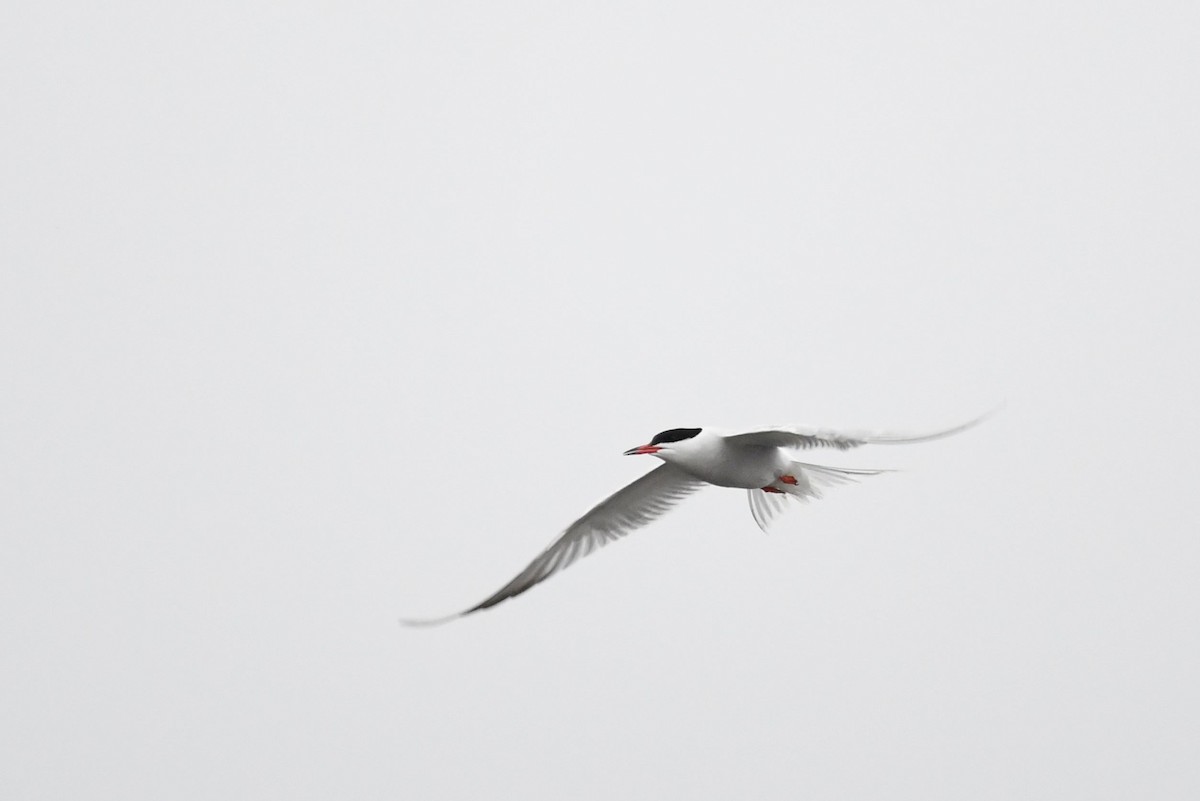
x=628, y=509
x=801, y=438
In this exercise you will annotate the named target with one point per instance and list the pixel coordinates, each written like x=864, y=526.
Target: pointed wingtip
x=992, y=412
x=427, y=623
x=904, y=439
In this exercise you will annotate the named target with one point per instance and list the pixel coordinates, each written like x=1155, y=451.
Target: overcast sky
x=318, y=315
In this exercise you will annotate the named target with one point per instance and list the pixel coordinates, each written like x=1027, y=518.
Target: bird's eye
x=674, y=435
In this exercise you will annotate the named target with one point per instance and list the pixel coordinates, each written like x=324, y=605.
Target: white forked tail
x=809, y=479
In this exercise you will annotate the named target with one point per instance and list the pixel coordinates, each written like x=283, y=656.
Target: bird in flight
x=758, y=461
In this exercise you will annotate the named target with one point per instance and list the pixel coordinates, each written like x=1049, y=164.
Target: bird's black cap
x=674, y=435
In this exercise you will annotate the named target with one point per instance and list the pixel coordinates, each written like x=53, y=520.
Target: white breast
x=716, y=461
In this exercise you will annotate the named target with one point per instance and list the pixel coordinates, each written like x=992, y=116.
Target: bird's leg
x=772, y=489
x=789, y=480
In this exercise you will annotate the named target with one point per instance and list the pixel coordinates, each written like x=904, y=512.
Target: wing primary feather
x=800, y=438
x=629, y=508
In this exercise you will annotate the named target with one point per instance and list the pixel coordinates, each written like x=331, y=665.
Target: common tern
x=757, y=460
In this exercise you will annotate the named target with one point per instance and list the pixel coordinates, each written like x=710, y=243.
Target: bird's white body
x=759, y=461
x=714, y=459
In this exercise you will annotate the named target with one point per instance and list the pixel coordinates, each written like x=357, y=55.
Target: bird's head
x=666, y=443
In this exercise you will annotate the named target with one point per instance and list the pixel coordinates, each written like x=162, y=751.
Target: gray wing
x=801, y=438
x=627, y=509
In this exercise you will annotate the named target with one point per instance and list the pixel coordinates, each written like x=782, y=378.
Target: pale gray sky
x=319, y=315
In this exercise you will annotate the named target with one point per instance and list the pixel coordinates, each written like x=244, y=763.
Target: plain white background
x=319, y=315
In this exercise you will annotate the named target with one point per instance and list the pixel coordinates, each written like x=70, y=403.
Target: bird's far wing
x=801, y=438
x=646, y=499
